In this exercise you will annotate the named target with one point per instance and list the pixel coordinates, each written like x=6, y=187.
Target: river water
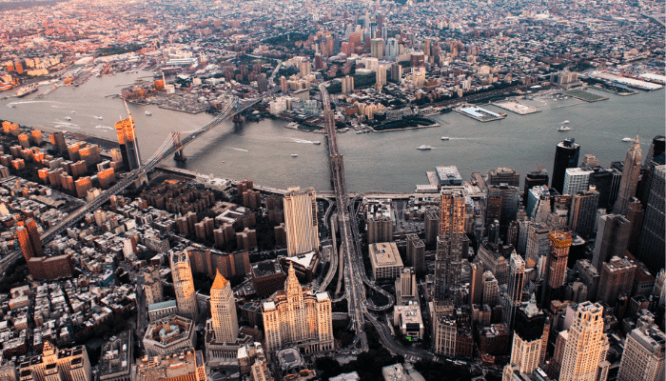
x=387, y=161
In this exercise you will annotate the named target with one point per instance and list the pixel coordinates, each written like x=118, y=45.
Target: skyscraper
x=651, y=245
x=515, y=291
x=35, y=239
x=510, y=196
x=183, y=285
x=223, y=310
x=152, y=285
x=607, y=183
x=127, y=141
x=503, y=175
x=557, y=262
x=416, y=254
x=377, y=48
x=529, y=341
x=24, y=241
x=583, y=212
x=612, y=238
x=617, y=278
x=584, y=357
x=654, y=158
x=476, y=284
x=643, y=356
x=452, y=244
x=576, y=180
x=630, y=174
x=635, y=215
x=299, y=317
x=566, y=156
x=538, y=247
x=300, y=219
x=533, y=179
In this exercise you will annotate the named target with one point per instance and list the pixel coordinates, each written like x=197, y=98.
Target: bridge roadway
x=228, y=111
x=353, y=286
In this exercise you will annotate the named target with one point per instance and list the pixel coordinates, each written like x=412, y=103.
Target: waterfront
x=373, y=162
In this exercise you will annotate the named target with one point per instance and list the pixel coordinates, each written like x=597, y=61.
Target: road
x=353, y=287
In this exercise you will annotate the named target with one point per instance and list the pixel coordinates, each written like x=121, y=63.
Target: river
x=387, y=161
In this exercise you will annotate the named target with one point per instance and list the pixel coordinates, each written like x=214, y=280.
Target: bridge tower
x=179, y=155
x=238, y=122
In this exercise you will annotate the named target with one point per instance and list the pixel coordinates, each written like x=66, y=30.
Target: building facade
x=298, y=317
x=183, y=285
x=584, y=356
x=300, y=218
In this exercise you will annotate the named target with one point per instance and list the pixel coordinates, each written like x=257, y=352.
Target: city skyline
x=332, y=190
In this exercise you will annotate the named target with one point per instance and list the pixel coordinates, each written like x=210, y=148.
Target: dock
x=516, y=107
x=480, y=114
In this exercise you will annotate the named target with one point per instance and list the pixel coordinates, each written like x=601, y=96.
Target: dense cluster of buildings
x=562, y=279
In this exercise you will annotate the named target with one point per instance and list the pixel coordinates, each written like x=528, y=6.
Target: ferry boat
x=294, y=155
x=316, y=142
x=564, y=128
x=627, y=140
x=445, y=138
x=424, y=148
x=148, y=113
x=23, y=91
x=98, y=117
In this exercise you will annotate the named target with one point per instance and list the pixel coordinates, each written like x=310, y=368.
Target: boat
x=564, y=128
x=23, y=91
x=627, y=140
x=424, y=148
x=294, y=155
x=98, y=117
x=316, y=142
x=566, y=121
x=68, y=118
x=148, y=113
x=292, y=125
x=445, y=138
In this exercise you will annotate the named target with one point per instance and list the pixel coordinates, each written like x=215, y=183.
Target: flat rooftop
x=385, y=254
x=266, y=268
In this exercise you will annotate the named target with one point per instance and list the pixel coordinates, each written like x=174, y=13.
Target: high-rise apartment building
x=380, y=229
x=300, y=220
x=183, y=285
x=405, y=286
x=503, y=175
x=566, y=156
x=152, y=285
x=452, y=244
x=377, y=48
x=530, y=339
x=560, y=242
x=576, y=180
x=583, y=212
x=651, y=244
x=617, y=279
x=643, y=356
x=416, y=254
x=584, y=356
x=24, y=241
x=612, y=238
x=298, y=317
x=630, y=174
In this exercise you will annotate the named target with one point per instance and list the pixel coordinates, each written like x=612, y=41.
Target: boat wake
x=104, y=127
x=239, y=149
x=10, y=104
